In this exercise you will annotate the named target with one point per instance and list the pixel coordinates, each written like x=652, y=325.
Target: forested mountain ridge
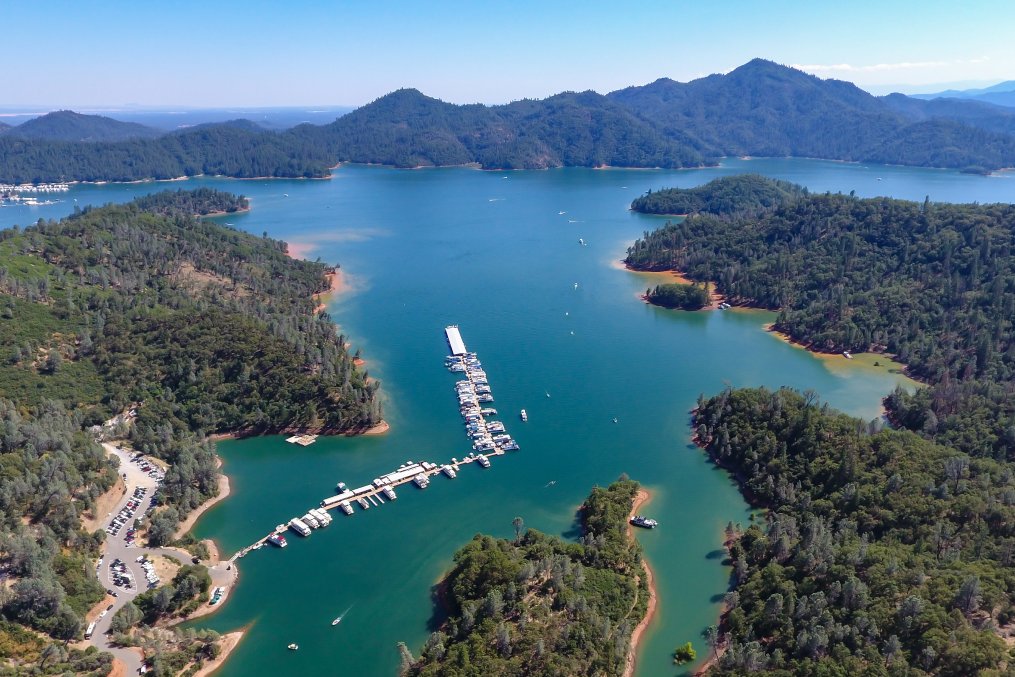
x=764, y=109
x=407, y=129
x=66, y=125
x=931, y=283
x=760, y=108
x=200, y=327
x=538, y=605
x=882, y=553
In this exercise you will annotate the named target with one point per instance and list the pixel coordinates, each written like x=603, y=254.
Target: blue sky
x=257, y=53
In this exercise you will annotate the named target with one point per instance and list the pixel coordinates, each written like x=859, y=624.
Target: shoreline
x=230, y=641
x=187, y=524
x=673, y=277
x=641, y=498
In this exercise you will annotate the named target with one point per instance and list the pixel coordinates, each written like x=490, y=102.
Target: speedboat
x=293, y=647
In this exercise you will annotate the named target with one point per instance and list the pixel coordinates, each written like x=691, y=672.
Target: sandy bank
x=228, y=643
x=192, y=518
x=336, y=285
x=378, y=429
x=654, y=277
x=642, y=498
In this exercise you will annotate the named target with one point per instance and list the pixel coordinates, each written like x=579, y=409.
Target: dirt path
x=640, y=500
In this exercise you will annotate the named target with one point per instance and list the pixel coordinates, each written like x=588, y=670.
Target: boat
x=845, y=353
x=340, y=617
x=278, y=540
x=483, y=460
x=615, y=420
x=341, y=487
x=363, y=503
x=293, y=647
x=644, y=522
x=337, y=621
x=525, y=417
x=421, y=481
x=297, y=525
x=449, y=471
x=390, y=493
x=346, y=507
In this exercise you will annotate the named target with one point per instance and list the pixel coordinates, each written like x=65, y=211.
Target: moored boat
x=644, y=522
x=278, y=540
x=525, y=416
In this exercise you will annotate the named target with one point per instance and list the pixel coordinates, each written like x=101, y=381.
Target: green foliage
x=191, y=583
x=880, y=548
x=683, y=296
x=25, y=654
x=684, y=654
x=198, y=327
x=929, y=282
x=540, y=605
x=726, y=196
x=66, y=125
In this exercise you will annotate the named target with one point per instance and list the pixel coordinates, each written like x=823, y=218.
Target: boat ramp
x=489, y=438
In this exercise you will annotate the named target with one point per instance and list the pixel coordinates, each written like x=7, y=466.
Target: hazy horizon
x=261, y=54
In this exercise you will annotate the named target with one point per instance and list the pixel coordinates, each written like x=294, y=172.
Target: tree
x=684, y=654
x=519, y=524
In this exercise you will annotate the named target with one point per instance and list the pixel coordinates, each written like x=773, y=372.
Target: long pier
x=473, y=392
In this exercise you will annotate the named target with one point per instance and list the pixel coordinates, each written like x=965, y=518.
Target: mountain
x=407, y=129
x=968, y=111
x=239, y=123
x=66, y=125
x=1001, y=94
x=3, y=126
x=766, y=109
x=760, y=108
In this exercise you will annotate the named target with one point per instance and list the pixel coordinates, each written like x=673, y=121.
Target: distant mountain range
x=1001, y=94
x=66, y=125
x=758, y=109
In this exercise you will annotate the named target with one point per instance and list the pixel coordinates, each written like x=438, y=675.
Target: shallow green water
x=492, y=253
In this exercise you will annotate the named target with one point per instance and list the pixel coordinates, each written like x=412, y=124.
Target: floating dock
x=455, y=340
x=489, y=441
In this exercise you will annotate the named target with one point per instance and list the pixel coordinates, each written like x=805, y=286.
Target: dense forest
x=682, y=296
x=883, y=553
x=538, y=605
x=735, y=195
x=760, y=109
x=931, y=283
x=199, y=327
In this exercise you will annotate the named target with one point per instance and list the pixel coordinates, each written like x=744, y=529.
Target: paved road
x=115, y=547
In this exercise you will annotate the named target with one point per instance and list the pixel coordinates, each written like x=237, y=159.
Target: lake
x=498, y=254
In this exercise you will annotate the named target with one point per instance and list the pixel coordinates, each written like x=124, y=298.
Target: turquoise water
x=491, y=252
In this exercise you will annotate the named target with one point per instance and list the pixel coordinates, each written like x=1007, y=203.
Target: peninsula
x=168, y=328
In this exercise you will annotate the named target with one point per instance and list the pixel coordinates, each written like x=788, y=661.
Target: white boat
x=483, y=460
x=278, y=540
x=421, y=481
x=525, y=417
x=293, y=647
x=449, y=471
x=297, y=525
x=346, y=507
x=390, y=493
x=363, y=503
x=845, y=353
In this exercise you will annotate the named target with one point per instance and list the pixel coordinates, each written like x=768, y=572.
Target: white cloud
x=883, y=67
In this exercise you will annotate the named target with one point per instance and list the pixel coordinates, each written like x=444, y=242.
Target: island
x=144, y=324
x=540, y=605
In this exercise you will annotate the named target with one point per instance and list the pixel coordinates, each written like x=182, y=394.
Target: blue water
x=491, y=252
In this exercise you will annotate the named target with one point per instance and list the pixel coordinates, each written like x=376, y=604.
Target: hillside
x=66, y=125
x=408, y=129
x=881, y=553
x=765, y=109
x=198, y=327
x=760, y=109
x=541, y=606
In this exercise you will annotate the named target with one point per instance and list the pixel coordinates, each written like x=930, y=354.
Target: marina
x=488, y=438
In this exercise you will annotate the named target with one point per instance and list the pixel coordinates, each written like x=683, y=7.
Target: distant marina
x=11, y=194
x=489, y=438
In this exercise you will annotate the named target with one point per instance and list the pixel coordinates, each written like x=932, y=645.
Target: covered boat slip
x=455, y=340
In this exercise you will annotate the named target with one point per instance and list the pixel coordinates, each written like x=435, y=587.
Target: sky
x=213, y=53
